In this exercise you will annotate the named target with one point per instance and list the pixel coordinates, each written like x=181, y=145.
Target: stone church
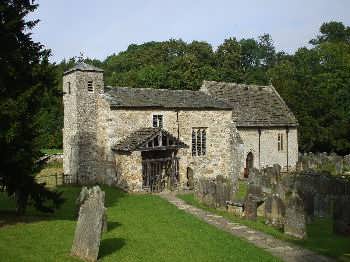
x=143, y=139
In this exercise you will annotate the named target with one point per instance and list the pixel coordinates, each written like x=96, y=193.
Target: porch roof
x=149, y=138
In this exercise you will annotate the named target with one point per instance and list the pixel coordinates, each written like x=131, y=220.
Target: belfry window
x=199, y=141
x=90, y=87
x=158, y=121
x=280, y=142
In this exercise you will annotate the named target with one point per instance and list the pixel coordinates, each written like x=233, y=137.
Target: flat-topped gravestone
x=89, y=227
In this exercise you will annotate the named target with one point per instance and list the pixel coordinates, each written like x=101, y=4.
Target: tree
x=315, y=84
x=332, y=32
x=228, y=61
x=25, y=77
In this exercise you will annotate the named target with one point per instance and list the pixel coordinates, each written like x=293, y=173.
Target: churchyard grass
x=320, y=236
x=51, y=151
x=242, y=190
x=141, y=228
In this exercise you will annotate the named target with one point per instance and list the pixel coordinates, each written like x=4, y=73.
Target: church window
x=199, y=141
x=69, y=91
x=158, y=121
x=90, y=87
x=280, y=142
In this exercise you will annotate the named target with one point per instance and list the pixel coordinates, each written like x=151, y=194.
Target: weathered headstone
x=322, y=205
x=250, y=207
x=255, y=190
x=308, y=199
x=81, y=198
x=190, y=178
x=274, y=211
x=236, y=208
x=90, y=225
x=261, y=208
x=341, y=215
x=295, y=218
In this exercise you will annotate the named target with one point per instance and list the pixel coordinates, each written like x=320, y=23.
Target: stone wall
x=220, y=137
x=269, y=154
x=129, y=171
x=80, y=124
x=70, y=130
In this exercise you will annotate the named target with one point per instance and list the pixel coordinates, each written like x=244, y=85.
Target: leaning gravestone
x=81, y=198
x=295, y=218
x=90, y=225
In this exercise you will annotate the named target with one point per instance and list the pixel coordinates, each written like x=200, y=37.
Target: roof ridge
x=252, y=104
x=151, y=88
x=82, y=66
x=284, y=103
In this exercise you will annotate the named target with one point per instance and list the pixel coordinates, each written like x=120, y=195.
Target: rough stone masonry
x=133, y=137
x=90, y=224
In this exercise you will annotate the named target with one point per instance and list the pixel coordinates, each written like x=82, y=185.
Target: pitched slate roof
x=139, y=139
x=252, y=105
x=81, y=66
x=124, y=97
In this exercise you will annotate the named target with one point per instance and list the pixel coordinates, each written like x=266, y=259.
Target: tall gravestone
x=295, y=217
x=341, y=215
x=250, y=207
x=274, y=211
x=90, y=225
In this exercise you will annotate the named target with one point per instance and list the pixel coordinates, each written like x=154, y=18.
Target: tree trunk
x=21, y=202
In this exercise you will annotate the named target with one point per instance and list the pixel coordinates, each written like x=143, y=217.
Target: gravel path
x=281, y=249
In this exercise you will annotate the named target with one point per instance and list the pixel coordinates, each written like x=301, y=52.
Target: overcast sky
x=101, y=28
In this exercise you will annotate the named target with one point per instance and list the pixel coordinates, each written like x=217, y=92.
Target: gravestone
x=261, y=208
x=308, y=199
x=190, y=178
x=341, y=215
x=255, y=191
x=81, y=198
x=250, y=207
x=295, y=218
x=274, y=211
x=87, y=242
x=322, y=205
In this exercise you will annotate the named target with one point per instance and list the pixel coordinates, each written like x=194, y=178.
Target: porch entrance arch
x=160, y=164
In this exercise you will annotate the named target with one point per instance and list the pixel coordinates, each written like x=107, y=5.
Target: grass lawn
x=320, y=236
x=51, y=151
x=141, y=228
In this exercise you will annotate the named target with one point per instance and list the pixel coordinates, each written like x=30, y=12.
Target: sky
x=101, y=28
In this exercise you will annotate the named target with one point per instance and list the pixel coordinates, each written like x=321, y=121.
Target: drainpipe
x=178, y=125
x=287, y=132
x=259, y=130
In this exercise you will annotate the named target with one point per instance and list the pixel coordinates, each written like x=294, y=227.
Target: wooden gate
x=159, y=174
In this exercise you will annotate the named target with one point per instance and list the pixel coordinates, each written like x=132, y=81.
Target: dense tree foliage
x=25, y=79
x=314, y=81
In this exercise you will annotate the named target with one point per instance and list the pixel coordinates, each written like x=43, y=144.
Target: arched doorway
x=249, y=164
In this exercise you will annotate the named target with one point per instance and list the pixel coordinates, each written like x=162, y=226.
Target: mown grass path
x=141, y=228
x=281, y=249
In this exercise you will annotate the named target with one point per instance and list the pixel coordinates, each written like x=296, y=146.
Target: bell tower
x=82, y=85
